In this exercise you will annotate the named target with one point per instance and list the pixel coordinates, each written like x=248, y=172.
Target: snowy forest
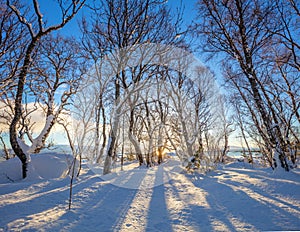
x=139, y=83
x=117, y=90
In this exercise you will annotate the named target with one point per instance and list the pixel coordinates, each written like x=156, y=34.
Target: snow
x=234, y=197
x=133, y=176
x=25, y=148
x=38, y=140
x=42, y=166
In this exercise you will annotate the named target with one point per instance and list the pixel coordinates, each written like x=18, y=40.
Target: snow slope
x=233, y=198
x=43, y=166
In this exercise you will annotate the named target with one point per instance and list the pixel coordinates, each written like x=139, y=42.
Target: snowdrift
x=42, y=166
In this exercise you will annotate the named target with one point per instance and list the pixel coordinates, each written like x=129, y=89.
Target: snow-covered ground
x=235, y=197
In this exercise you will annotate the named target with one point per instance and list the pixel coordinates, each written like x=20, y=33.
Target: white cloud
x=37, y=118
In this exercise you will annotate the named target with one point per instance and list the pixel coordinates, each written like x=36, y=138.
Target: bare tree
x=7, y=154
x=243, y=31
x=58, y=70
x=95, y=48
x=11, y=52
x=122, y=25
x=227, y=126
x=240, y=119
x=36, y=29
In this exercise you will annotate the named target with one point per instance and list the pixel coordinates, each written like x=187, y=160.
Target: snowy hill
x=235, y=197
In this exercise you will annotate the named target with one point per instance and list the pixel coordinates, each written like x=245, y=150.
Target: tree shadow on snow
x=242, y=205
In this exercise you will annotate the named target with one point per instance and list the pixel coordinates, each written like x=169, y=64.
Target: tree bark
x=133, y=140
x=18, y=108
x=114, y=127
x=35, y=37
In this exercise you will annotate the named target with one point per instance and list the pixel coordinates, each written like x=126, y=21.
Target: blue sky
x=50, y=12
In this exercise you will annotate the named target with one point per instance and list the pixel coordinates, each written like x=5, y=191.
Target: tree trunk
x=97, y=131
x=137, y=148
x=35, y=37
x=133, y=140
x=109, y=155
x=248, y=69
x=7, y=156
x=104, y=136
x=224, y=151
x=39, y=143
x=150, y=151
x=113, y=136
x=18, y=109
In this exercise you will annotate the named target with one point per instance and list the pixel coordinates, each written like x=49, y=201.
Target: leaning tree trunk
x=35, y=37
x=225, y=149
x=39, y=142
x=137, y=148
x=248, y=69
x=113, y=131
x=110, y=151
x=133, y=140
x=99, y=157
x=18, y=109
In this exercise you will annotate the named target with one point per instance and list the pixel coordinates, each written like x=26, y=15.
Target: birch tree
x=243, y=32
x=12, y=35
x=54, y=78
x=35, y=26
x=121, y=25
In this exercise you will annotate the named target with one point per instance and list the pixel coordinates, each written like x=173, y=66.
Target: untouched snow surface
x=235, y=197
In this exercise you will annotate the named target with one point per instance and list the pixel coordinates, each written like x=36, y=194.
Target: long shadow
x=108, y=214
x=158, y=215
x=279, y=183
x=233, y=204
x=280, y=214
x=103, y=215
x=200, y=216
x=113, y=201
x=269, y=195
x=111, y=212
x=270, y=187
x=244, y=210
x=35, y=201
x=226, y=207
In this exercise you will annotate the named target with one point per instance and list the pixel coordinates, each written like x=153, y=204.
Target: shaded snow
x=133, y=176
x=42, y=166
x=235, y=197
